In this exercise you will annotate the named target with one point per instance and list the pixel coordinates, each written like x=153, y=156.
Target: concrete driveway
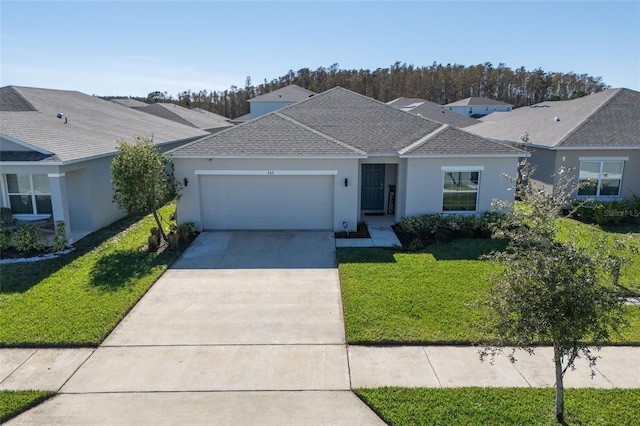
x=245, y=328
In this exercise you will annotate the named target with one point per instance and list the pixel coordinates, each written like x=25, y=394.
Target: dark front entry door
x=372, y=187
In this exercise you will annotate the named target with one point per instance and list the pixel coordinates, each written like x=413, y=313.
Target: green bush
x=609, y=212
x=60, y=240
x=27, y=239
x=5, y=239
x=431, y=228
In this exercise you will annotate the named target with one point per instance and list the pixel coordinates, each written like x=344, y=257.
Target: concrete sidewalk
x=369, y=366
x=458, y=366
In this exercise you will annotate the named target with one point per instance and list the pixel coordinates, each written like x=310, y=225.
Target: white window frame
x=32, y=194
x=460, y=169
x=601, y=160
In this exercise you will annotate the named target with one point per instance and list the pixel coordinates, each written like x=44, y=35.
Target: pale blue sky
x=133, y=48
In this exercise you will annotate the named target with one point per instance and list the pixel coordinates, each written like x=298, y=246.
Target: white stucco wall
x=345, y=198
x=425, y=181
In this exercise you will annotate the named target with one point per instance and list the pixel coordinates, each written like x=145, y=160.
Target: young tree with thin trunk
x=550, y=292
x=142, y=179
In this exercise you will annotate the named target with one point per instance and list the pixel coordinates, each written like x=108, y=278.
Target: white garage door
x=266, y=202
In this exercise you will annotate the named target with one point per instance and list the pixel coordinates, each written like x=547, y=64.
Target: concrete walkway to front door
x=245, y=328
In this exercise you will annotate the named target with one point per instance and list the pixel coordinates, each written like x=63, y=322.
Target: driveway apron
x=245, y=328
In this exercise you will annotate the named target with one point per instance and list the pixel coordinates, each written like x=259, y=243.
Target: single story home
x=597, y=136
x=56, y=149
x=330, y=159
x=477, y=106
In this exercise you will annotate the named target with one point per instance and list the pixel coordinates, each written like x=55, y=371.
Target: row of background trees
x=438, y=83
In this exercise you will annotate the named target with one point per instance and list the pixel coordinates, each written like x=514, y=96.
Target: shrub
x=60, y=240
x=27, y=239
x=608, y=212
x=5, y=239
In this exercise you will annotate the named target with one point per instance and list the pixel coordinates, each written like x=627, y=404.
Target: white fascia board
x=270, y=157
x=31, y=163
x=593, y=148
x=603, y=158
x=523, y=154
x=25, y=144
x=265, y=172
x=461, y=168
x=382, y=154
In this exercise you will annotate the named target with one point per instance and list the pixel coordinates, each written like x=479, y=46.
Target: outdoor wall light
x=346, y=182
x=186, y=182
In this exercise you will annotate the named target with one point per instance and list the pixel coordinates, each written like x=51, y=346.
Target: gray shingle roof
x=128, y=102
x=339, y=122
x=610, y=118
x=291, y=93
x=432, y=111
x=269, y=135
x=191, y=117
x=449, y=141
x=12, y=101
x=477, y=101
x=93, y=128
x=359, y=121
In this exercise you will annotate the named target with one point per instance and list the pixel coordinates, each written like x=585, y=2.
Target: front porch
x=379, y=193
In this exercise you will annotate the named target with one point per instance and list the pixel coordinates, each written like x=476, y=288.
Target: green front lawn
x=78, y=298
x=13, y=403
x=501, y=406
x=428, y=297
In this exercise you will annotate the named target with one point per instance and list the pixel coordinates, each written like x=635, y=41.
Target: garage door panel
x=267, y=202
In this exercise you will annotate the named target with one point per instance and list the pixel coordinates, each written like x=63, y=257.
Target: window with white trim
x=460, y=191
x=600, y=178
x=29, y=194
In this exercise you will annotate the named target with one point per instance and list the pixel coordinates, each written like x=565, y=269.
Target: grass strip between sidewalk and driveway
x=392, y=297
x=13, y=403
x=78, y=298
x=501, y=406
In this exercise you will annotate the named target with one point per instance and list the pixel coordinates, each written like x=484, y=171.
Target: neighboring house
x=432, y=111
x=130, y=103
x=273, y=101
x=196, y=117
x=330, y=159
x=477, y=107
x=56, y=149
x=596, y=135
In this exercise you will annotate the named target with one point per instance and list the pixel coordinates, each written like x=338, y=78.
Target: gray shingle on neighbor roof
x=128, y=102
x=605, y=119
x=93, y=128
x=269, y=135
x=194, y=117
x=338, y=122
x=12, y=101
x=159, y=110
x=404, y=102
x=477, y=101
x=291, y=93
x=432, y=111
